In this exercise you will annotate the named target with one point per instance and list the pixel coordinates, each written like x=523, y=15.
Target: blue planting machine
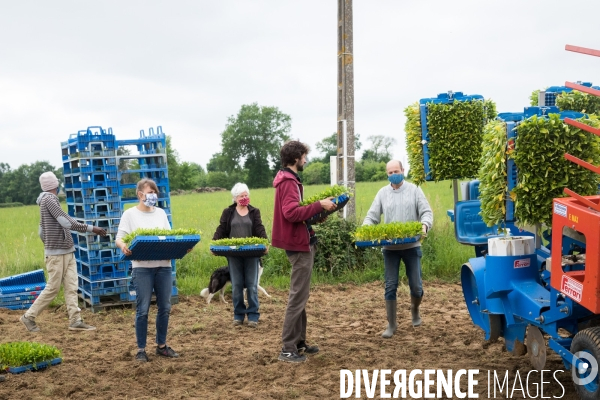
x=530, y=284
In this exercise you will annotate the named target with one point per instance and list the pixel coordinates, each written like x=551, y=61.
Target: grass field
x=21, y=249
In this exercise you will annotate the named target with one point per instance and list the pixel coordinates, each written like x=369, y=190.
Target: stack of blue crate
x=551, y=93
x=147, y=158
x=18, y=292
x=92, y=190
x=98, y=189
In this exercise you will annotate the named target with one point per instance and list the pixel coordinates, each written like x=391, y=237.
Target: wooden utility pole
x=345, y=101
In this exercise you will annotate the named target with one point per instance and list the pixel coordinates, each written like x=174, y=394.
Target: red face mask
x=244, y=201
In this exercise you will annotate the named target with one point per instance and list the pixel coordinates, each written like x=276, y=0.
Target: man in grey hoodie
x=59, y=249
x=401, y=201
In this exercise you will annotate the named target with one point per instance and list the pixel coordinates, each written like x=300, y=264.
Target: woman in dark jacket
x=241, y=220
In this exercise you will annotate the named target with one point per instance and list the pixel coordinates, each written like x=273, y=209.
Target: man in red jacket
x=298, y=240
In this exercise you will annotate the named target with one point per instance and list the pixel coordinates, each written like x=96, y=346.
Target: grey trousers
x=294, y=323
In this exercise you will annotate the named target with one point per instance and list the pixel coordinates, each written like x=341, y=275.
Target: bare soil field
x=219, y=361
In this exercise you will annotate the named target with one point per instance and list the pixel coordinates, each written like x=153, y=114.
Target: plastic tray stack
x=92, y=190
x=96, y=189
x=149, y=160
x=18, y=292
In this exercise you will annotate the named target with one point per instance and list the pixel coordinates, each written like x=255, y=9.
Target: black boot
x=414, y=310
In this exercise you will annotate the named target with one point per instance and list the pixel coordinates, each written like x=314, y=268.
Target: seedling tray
x=251, y=250
x=340, y=201
x=30, y=367
x=146, y=248
x=391, y=242
x=21, y=289
x=27, y=278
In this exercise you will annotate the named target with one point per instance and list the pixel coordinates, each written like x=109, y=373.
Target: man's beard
x=299, y=166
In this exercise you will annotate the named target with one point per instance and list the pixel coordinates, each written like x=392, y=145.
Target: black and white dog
x=220, y=278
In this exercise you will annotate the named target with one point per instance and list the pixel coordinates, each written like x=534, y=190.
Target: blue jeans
x=244, y=274
x=412, y=262
x=145, y=280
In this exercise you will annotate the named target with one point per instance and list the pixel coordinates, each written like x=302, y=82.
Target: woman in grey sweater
x=401, y=201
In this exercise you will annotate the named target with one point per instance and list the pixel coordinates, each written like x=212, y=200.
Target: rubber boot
x=415, y=302
x=390, y=309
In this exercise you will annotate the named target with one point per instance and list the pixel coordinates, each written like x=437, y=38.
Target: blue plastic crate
x=105, y=291
x=98, y=256
x=17, y=307
x=377, y=243
x=17, y=298
x=257, y=250
x=27, y=278
x=74, y=196
x=22, y=289
x=24, y=302
x=98, y=153
x=31, y=367
x=98, y=183
x=96, y=300
x=102, y=207
x=552, y=92
x=99, y=214
x=103, y=223
x=89, y=241
x=161, y=247
x=341, y=202
x=101, y=195
x=102, y=271
x=102, y=287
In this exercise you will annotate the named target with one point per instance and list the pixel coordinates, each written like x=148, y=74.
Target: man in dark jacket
x=298, y=240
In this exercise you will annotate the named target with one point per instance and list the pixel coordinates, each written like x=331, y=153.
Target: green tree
x=328, y=147
x=370, y=171
x=380, y=149
x=218, y=179
x=252, y=141
x=22, y=184
x=199, y=175
x=191, y=175
x=218, y=162
x=312, y=174
x=173, y=165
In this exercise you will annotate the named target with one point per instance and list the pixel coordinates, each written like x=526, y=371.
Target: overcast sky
x=188, y=65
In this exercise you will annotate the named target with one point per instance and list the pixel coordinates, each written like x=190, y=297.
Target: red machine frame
x=582, y=214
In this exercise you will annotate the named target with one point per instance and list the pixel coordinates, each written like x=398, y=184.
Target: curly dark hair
x=292, y=151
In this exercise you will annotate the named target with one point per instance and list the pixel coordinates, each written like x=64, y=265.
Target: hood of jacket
x=41, y=196
x=282, y=176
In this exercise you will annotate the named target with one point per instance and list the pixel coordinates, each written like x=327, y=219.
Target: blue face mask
x=57, y=190
x=396, y=179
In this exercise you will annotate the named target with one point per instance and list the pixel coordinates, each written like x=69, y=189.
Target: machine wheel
x=536, y=347
x=490, y=323
x=586, y=345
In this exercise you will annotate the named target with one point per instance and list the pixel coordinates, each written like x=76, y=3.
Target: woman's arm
x=221, y=231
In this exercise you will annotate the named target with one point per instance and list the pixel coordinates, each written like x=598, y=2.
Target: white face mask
x=151, y=199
